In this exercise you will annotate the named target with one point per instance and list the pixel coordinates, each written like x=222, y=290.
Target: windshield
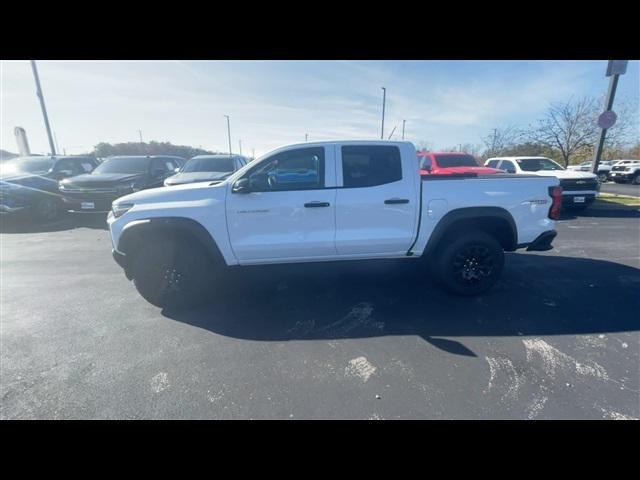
x=222, y=164
x=537, y=164
x=446, y=161
x=123, y=165
x=28, y=165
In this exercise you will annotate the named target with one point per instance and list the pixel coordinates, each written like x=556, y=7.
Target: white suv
x=579, y=189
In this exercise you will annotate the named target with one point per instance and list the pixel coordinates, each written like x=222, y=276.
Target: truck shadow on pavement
x=617, y=211
x=537, y=295
x=65, y=222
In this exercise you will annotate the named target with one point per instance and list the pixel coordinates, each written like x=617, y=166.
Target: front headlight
x=120, y=209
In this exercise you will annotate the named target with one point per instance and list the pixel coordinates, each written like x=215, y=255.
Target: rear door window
x=370, y=165
x=508, y=166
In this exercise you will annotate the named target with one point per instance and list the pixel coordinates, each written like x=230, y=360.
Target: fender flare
x=133, y=232
x=467, y=213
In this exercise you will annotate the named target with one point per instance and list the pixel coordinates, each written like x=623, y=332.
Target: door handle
x=316, y=204
x=395, y=201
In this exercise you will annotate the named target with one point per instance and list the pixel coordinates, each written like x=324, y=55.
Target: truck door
x=376, y=202
x=289, y=210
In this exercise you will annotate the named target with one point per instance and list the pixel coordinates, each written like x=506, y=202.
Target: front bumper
x=122, y=260
x=620, y=176
x=543, y=242
x=87, y=203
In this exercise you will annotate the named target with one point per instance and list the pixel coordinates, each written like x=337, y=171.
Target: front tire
x=636, y=179
x=470, y=264
x=602, y=177
x=172, y=273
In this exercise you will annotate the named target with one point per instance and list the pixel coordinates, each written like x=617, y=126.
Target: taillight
x=556, y=204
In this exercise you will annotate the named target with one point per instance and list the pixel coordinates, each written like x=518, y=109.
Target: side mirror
x=259, y=182
x=511, y=170
x=241, y=186
x=176, y=170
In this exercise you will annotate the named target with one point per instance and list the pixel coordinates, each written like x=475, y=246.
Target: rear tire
x=172, y=273
x=636, y=179
x=470, y=264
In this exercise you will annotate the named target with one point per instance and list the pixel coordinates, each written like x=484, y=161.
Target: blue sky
x=271, y=103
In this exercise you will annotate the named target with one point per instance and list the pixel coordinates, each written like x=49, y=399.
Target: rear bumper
x=569, y=198
x=542, y=243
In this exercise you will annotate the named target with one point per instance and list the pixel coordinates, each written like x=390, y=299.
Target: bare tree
x=499, y=139
x=569, y=127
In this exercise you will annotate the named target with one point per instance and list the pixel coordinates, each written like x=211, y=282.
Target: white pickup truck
x=328, y=201
x=579, y=189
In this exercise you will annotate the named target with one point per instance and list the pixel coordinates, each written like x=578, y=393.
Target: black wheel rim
x=473, y=265
x=174, y=275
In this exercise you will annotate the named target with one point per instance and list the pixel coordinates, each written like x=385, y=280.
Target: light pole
x=403, y=122
x=140, y=133
x=607, y=119
x=306, y=137
x=240, y=146
x=384, y=98
x=229, y=132
x=44, y=109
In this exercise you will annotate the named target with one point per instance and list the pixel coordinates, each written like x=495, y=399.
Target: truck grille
x=577, y=185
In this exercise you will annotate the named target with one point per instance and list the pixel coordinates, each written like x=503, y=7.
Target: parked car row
x=44, y=186
x=619, y=171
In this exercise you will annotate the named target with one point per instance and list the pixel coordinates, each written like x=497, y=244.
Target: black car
x=114, y=178
x=207, y=168
x=30, y=184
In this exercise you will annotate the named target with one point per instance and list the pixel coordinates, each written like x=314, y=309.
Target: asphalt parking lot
x=557, y=338
x=621, y=189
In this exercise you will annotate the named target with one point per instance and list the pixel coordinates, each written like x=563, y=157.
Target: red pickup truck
x=451, y=163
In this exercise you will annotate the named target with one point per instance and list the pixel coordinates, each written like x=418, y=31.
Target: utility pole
x=384, y=98
x=607, y=119
x=44, y=109
x=55, y=139
x=403, y=122
x=306, y=137
x=240, y=146
x=391, y=134
x=229, y=132
x=253, y=154
x=140, y=133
